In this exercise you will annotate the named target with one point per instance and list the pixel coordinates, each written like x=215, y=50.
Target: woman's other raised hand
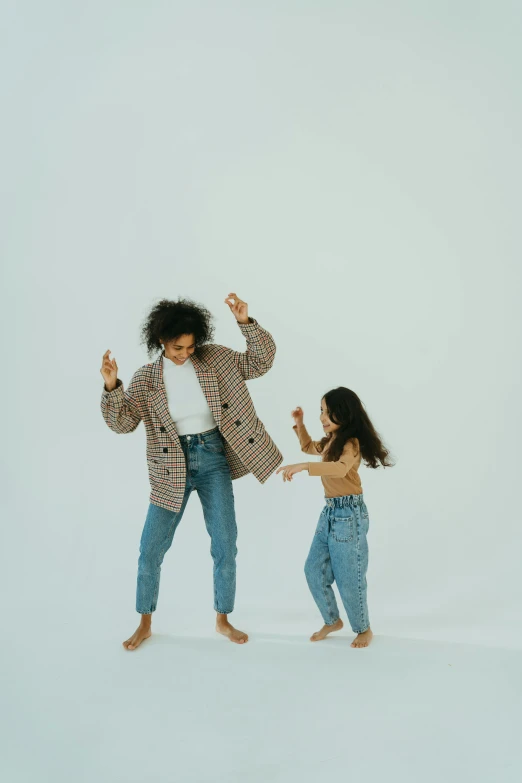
x=109, y=371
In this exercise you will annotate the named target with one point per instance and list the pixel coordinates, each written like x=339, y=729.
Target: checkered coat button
x=225, y=405
x=238, y=423
x=251, y=440
x=162, y=429
x=165, y=451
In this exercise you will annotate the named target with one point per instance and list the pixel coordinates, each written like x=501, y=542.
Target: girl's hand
x=109, y=371
x=289, y=471
x=298, y=415
x=238, y=307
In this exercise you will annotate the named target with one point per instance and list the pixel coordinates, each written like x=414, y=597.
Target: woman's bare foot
x=140, y=634
x=363, y=639
x=318, y=636
x=224, y=627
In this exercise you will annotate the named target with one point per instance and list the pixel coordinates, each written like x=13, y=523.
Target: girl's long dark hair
x=346, y=409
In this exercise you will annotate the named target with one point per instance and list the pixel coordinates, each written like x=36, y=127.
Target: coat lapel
x=157, y=399
x=208, y=381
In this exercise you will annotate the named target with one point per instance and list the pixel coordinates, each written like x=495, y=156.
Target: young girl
x=339, y=551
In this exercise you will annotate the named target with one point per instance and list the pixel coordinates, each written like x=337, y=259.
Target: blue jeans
x=339, y=553
x=209, y=474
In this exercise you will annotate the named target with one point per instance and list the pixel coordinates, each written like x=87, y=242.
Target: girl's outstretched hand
x=289, y=471
x=109, y=371
x=298, y=415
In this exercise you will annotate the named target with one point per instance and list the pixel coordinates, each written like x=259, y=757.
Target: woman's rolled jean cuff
x=333, y=622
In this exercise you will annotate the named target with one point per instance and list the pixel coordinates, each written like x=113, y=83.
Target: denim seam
x=327, y=596
x=359, y=574
x=156, y=591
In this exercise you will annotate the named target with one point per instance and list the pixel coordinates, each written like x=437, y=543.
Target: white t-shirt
x=188, y=406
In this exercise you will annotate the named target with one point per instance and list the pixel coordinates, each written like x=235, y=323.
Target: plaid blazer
x=222, y=373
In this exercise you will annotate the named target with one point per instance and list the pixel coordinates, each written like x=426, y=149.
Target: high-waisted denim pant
x=339, y=553
x=208, y=473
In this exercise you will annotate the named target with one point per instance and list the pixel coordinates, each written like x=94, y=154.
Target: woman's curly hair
x=169, y=320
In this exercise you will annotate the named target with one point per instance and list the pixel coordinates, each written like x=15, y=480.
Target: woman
x=202, y=432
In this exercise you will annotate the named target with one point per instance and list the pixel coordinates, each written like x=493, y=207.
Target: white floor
x=77, y=708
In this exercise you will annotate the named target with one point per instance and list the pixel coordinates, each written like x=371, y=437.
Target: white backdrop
x=352, y=170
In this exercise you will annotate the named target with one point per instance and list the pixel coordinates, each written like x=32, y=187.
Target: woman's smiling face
x=180, y=349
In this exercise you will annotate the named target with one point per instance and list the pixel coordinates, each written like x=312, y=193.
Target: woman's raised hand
x=238, y=307
x=298, y=416
x=109, y=371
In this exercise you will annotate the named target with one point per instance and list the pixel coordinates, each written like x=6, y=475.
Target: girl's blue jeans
x=339, y=553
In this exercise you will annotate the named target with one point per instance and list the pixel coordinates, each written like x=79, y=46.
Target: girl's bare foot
x=363, y=639
x=140, y=634
x=224, y=627
x=325, y=630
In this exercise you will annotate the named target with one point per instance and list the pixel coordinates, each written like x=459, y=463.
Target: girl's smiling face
x=328, y=425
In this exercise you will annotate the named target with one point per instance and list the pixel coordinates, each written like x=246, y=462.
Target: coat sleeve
x=259, y=355
x=308, y=445
x=120, y=409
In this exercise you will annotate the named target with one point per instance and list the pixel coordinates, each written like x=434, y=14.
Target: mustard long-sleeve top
x=340, y=477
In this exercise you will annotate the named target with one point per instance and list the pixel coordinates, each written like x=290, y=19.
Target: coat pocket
x=260, y=434
x=158, y=469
